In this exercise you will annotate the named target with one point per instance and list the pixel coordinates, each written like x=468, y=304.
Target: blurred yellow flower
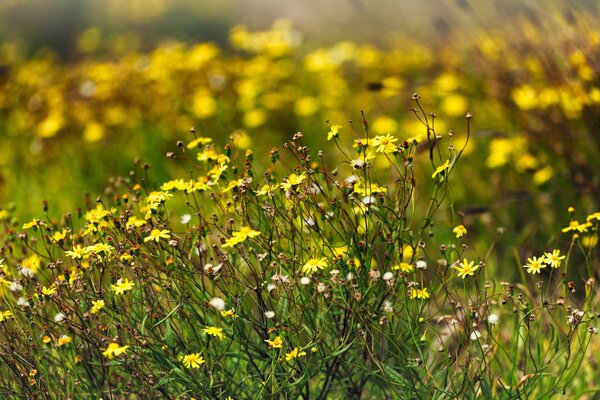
x=158, y=234
x=314, y=264
x=122, y=285
x=466, y=268
x=460, y=230
x=297, y=352
x=114, y=350
x=214, y=331
x=275, y=343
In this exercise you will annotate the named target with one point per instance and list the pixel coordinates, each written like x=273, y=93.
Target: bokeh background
x=88, y=87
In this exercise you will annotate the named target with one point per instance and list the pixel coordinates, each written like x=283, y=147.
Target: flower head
x=333, y=132
x=214, y=331
x=275, y=343
x=240, y=236
x=466, y=268
x=64, y=339
x=122, y=285
x=441, y=169
x=460, y=230
x=535, y=265
x=114, y=350
x=385, y=144
x=314, y=264
x=97, y=305
x=157, y=234
x=294, y=354
x=415, y=293
x=553, y=258
x=193, y=360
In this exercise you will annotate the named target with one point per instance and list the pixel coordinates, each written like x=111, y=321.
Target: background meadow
x=255, y=201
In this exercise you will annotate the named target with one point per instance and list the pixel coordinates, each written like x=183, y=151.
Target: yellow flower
x=292, y=180
x=460, y=230
x=294, y=354
x=466, y=268
x=333, y=132
x=228, y=313
x=4, y=315
x=46, y=339
x=77, y=253
x=114, y=350
x=34, y=222
x=441, y=168
x=238, y=237
x=158, y=234
x=122, y=285
x=64, y=339
x=314, y=264
x=535, y=265
x=404, y=267
x=575, y=226
x=58, y=236
x=385, y=144
x=553, y=258
x=97, y=305
x=193, y=360
x=199, y=141
x=47, y=291
x=214, y=331
x=419, y=293
x=276, y=343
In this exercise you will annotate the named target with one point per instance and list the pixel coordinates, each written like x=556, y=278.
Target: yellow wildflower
x=553, y=258
x=240, y=236
x=419, y=293
x=385, y=144
x=441, y=168
x=276, y=343
x=333, y=132
x=294, y=354
x=157, y=234
x=535, y=265
x=122, y=285
x=193, y=360
x=114, y=350
x=214, y=331
x=314, y=264
x=466, y=268
x=64, y=339
x=4, y=315
x=292, y=180
x=97, y=305
x=460, y=230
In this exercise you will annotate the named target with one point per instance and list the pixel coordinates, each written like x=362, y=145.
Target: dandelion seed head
x=217, y=303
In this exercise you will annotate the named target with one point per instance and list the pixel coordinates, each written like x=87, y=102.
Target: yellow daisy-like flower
x=415, y=293
x=193, y=360
x=158, y=234
x=294, y=354
x=238, y=237
x=460, y=230
x=535, y=265
x=292, y=180
x=553, y=258
x=575, y=226
x=466, y=268
x=122, y=285
x=4, y=315
x=64, y=339
x=97, y=305
x=114, y=350
x=441, y=169
x=275, y=343
x=48, y=291
x=77, y=253
x=385, y=144
x=314, y=264
x=404, y=267
x=214, y=331
x=59, y=235
x=333, y=132
x=228, y=313
x=34, y=222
